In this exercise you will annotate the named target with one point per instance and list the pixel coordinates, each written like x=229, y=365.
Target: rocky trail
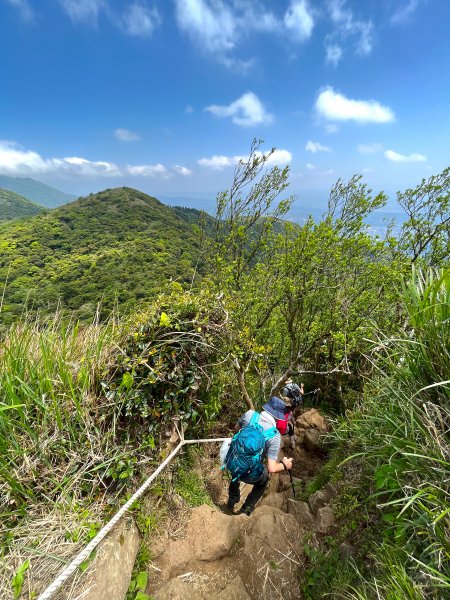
x=227, y=556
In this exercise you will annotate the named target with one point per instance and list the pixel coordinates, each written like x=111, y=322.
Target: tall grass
x=403, y=433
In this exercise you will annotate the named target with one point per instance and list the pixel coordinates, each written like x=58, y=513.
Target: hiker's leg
x=256, y=493
x=291, y=436
x=234, y=494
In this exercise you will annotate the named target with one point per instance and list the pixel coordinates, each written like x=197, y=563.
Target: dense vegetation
x=115, y=247
x=84, y=408
x=13, y=207
x=35, y=191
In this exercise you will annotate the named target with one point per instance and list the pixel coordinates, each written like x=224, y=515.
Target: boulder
x=311, y=440
x=109, y=575
x=312, y=419
x=235, y=590
x=318, y=500
x=271, y=526
x=274, y=500
x=178, y=589
x=212, y=534
x=325, y=520
x=176, y=557
x=301, y=512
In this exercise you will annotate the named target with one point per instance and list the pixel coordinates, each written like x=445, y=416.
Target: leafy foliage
x=118, y=246
x=35, y=191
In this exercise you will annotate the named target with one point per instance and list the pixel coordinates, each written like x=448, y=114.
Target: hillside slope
x=13, y=206
x=35, y=191
x=117, y=245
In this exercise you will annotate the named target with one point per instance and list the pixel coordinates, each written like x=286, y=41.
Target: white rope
x=85, y=553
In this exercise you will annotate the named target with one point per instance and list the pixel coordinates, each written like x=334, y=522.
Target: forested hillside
x=118, y=246
x=13, y=206
x=38, y=192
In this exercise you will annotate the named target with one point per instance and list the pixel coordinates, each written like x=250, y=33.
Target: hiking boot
x=230, y=505
x=246, y=510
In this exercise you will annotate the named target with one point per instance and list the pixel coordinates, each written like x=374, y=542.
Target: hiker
x=292, y=397
x=256, y=437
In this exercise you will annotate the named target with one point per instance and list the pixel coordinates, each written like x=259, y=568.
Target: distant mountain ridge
x=119, y=246
x=13, y=206
x=36, y=191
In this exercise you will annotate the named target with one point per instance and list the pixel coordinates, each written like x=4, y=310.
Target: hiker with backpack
x=292, y=396
x=257, y=438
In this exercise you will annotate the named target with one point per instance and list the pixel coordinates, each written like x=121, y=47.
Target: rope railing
x=86, y=552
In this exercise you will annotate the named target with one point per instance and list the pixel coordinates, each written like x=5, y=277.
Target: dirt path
x=235, y=557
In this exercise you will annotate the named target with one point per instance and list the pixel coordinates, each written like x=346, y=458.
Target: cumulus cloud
x=369, y=148
x=83, y=10
x=402, y=158
x=310, y=167
x=349, y=28
x=148, y=170
x=315, y=147
x=245, y=111
x=219, y=162
x=23, y=7
x=125, y=135
x=333, y=54
x=15, y=160
x=210, y=23
x=298, y=20
x=138, y=19
x=334, y=106
x=182, y=170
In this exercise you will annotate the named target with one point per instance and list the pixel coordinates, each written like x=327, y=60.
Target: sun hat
x=275, y=407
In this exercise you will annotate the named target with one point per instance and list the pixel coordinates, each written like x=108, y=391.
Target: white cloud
x=333, y=54
x=182, y=170
x=23, y=6
x=404, y=13
x=212, y=24
x=336, y=107
x=331, y=128
x=245, y=111
x=279, y=157
x=298, y=20
x=15, y=160
x=310, y=167
x=369, y=148
x=148, y=170
x=83, y=10
x=139, y=19
x=349, y=27
x=315, y=147
x=125, y=135
x=401, y=158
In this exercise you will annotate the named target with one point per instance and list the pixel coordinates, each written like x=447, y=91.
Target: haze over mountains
x=36, y=191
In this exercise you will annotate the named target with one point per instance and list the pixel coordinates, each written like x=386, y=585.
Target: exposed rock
x=325, y=519
x=177, y=589
x=311, y=440
x=235, y=590
x=319, y=499
x=211, y=533
x=312, y=419
x=177, y=555
x=109, y=575
x=331, y=490
x=271, y=526
x=301, y=511
x=299, y=435
x=347, y=551
x=274, y=500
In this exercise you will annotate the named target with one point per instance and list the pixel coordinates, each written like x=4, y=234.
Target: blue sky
x=165, y=95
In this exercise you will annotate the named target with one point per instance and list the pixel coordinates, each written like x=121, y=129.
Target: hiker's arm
x=274, y=466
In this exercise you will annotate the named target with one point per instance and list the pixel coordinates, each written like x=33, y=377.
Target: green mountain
x=35, y=191
x=117, y=245
x=13, y=206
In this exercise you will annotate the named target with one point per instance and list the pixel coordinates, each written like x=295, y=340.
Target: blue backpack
x=247, y=446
